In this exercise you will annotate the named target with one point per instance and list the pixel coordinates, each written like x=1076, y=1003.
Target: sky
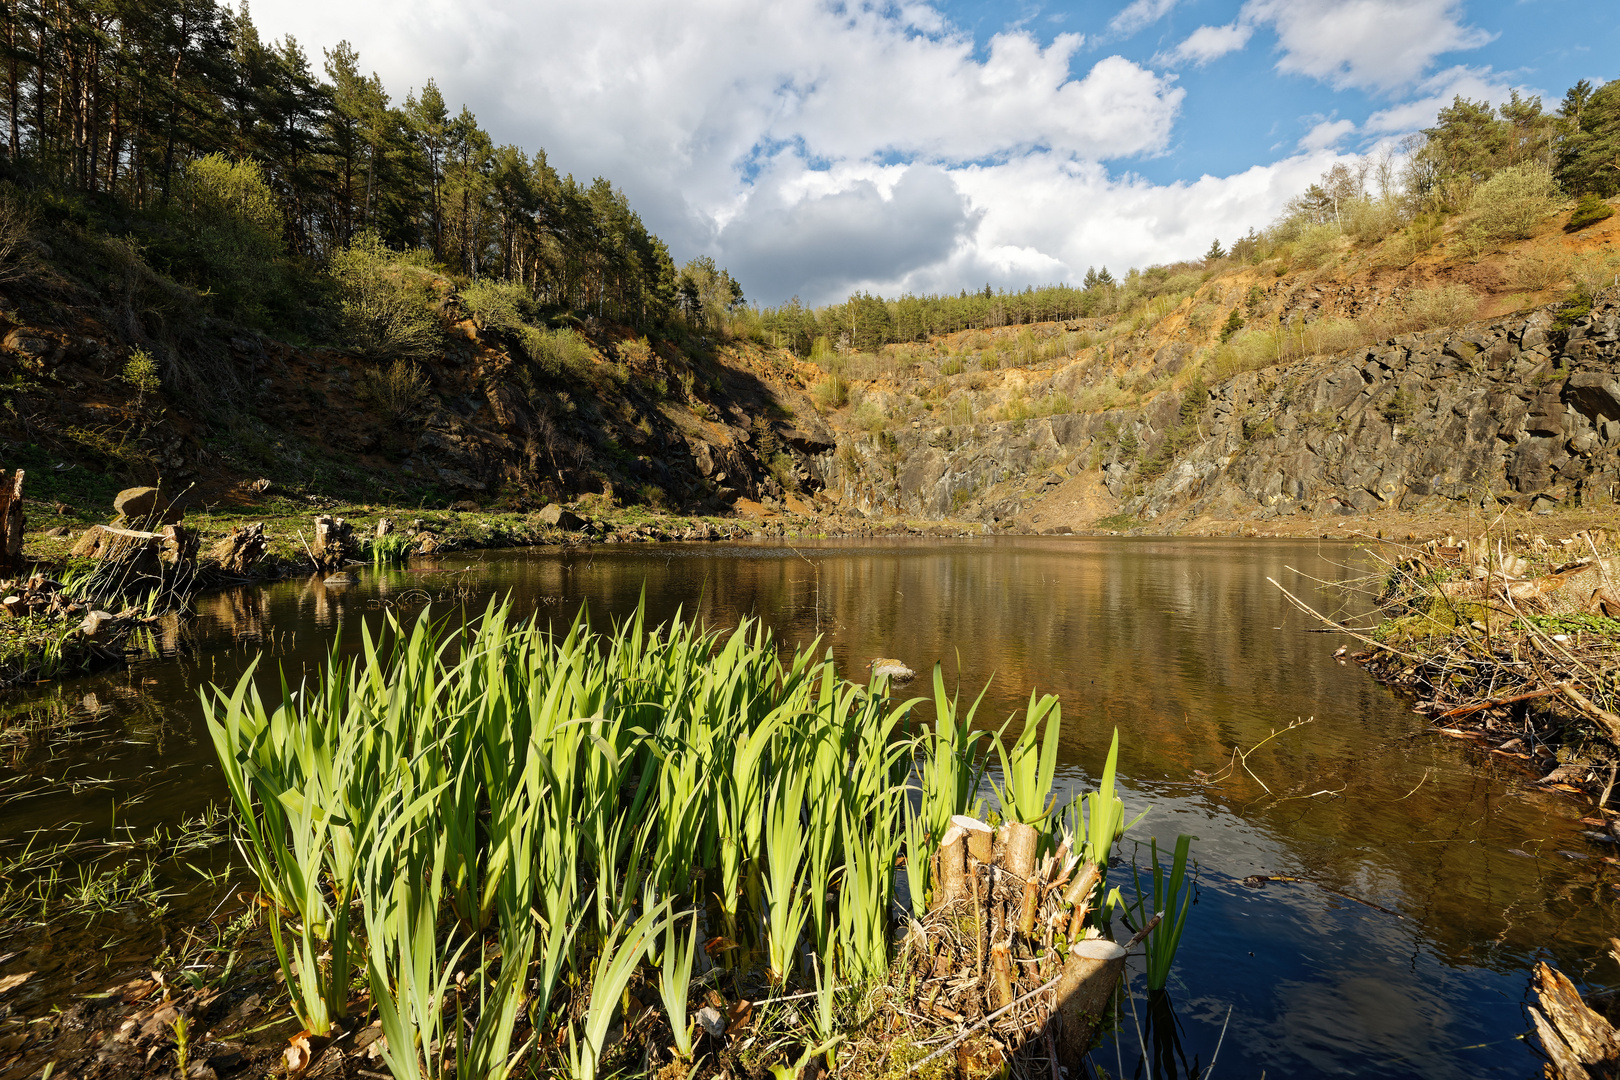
x=819, y=148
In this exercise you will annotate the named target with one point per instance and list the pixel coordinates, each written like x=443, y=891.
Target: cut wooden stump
x=1090, y=975
x=11, y=519
x=1020, y=840
x=112, y=542
x=240, y=548
x=1581, y=1044
x=981, y=839
x=952, y=867
x=1015, y=948
x=334, y=543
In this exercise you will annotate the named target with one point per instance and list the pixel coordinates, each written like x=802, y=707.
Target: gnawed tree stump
x=1581, y=1044
x=11, y=519
x=1014, y=949
x=103, y=542
x=1020, y=841
x=1090, y=976
x=334, y=543
x=951, y=873
x=240, y=548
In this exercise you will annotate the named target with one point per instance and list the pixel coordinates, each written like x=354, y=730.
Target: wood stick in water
x=1491, y=703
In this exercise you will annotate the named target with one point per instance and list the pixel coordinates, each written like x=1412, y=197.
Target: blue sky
x=816, y=148
x=1239, y=110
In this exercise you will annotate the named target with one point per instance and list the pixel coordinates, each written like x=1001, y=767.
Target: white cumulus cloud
x=1209, y=43
x=816, y=148
x=1377, y=45
x=1327, y=133
x=1438, y=91
x=1140, y=13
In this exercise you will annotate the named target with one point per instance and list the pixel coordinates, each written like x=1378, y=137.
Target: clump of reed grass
x=505, y=827
x=391, y=549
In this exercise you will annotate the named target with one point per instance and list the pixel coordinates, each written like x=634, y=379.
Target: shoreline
x=53, y=643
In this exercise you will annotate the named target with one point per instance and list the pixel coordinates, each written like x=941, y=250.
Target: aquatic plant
x=390, y=549
x=1173, y=901
x=522, y=818
x=1027, y=769
x=675, y=980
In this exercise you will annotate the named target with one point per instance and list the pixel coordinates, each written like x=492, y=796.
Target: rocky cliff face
x=1521, y=411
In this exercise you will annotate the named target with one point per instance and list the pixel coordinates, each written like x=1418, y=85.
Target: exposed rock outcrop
x=1522, y=411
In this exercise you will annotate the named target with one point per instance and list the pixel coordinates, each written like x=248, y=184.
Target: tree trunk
x=1581, y=1044
x=1090, y=976
x=11, y=519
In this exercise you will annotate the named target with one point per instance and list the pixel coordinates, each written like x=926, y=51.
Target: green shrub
x=561, y=354
x=232, y=231
x=786, y=471
x=1594, y=272
x=399, y=391
x=1538, y=269
x=1256, y=347
x=1511, y=204
x=1368, y=221
x=1398, y=407
x=1589, y=211
x=1234, y=323
x=1443, y=305
x=387, y=301
x=1255, y=429
x=141, y=373
x=831, y=392
x=1318, y=245
x=870, y=416
x=498, y=305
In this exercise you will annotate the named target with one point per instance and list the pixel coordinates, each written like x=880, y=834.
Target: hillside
x=1362, y=393
x=1359, y=393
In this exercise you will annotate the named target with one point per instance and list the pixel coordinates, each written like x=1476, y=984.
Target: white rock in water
x=894, y=669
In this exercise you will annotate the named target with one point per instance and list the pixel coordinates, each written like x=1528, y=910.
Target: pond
x=1429, y=877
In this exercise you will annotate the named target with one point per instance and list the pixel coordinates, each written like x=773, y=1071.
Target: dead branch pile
x=1008, y=963
x=1518, y=649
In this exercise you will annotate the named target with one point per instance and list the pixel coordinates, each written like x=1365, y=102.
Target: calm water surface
x=1431, y=881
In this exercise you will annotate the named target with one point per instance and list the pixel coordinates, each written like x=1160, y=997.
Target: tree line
x=866, y=322
x=117, y=101
x=1445, y=170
